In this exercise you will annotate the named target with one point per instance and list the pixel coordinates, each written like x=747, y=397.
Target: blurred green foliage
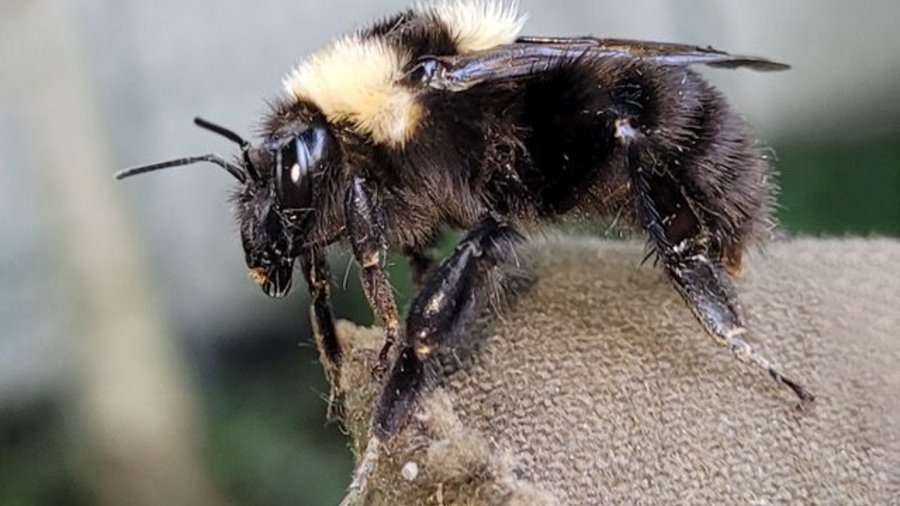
x=36, y=468
x=839, y=187
x=268, y=442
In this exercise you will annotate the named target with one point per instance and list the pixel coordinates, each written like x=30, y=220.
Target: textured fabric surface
x=597, y=386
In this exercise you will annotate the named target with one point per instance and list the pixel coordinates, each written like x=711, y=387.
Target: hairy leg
x=318, y=278
x=421, y=263
x=439, y=313
x=367, y=226
x=685, y=248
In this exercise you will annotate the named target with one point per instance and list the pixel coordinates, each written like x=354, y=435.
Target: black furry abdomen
x=712, y=177
x=566, y=120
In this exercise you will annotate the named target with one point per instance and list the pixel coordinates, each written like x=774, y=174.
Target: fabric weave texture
x=593, y=384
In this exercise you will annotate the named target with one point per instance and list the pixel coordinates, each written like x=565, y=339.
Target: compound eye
x=297, y=163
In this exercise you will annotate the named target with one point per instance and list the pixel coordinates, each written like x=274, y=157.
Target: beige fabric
x=598, y=387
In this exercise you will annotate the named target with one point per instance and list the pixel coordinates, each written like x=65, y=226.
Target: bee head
x=275, y=202
x=276, y=206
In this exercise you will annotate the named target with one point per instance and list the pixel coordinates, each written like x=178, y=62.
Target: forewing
x=533, y=55
x=665, y=53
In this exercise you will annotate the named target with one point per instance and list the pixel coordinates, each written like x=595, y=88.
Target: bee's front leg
x=367, y=226
x=440, y=311
x=318, y=278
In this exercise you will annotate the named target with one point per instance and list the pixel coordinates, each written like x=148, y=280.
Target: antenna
x=224, y=132
x=232, y=169
x=239, y=172
x=233, y=137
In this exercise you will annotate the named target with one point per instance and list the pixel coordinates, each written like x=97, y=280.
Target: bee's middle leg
x=367, y=226
x=440, y=311
x=421, y=264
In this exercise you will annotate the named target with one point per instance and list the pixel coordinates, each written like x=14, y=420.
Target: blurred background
x=139, y=365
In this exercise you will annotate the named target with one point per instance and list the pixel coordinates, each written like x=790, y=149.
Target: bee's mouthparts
x=258, y=275
x=274, y=283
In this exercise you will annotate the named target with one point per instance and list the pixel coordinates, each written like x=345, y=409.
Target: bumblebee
x=444, y=115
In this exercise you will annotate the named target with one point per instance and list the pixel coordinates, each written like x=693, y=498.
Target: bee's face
x=277, y=210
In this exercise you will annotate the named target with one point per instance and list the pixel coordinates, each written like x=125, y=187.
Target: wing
x=532, y=55
x=664, y=53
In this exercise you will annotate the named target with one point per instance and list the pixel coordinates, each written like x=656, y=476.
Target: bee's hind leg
x=686, y=248
x=710, y=296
